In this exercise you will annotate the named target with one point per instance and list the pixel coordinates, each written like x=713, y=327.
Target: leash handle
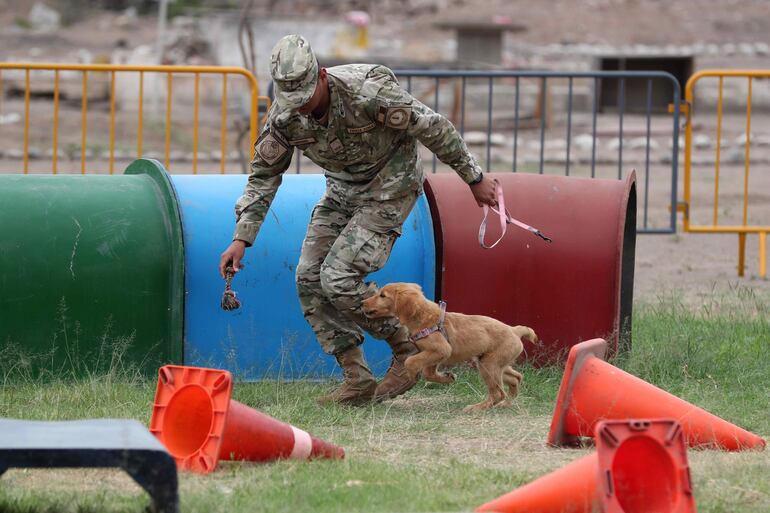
x=502, y=215
x=505, y=219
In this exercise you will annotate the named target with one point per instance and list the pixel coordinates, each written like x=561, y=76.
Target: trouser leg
x=337, y=254
x=357, y=252
x=334, y=331
x=363, y=247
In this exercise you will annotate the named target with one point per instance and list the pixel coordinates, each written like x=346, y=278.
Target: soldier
x=362, y=128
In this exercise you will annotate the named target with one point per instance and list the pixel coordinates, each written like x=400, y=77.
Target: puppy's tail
x=526, y=332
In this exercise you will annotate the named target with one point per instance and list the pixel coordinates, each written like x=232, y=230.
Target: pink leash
x=505, y=220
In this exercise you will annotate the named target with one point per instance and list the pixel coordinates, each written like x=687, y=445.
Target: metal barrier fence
x=594, y=103
x=743, y=226
x=102, y=70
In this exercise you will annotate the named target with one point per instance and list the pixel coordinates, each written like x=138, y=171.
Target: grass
x=419, y=453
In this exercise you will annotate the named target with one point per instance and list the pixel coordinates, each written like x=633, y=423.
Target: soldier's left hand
x=484, y=192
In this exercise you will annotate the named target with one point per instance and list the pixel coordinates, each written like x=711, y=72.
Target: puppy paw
x=485, y=405
x=449, y=377
x=445, y=378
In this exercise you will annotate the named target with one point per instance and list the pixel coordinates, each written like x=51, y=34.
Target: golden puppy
x=496, y=344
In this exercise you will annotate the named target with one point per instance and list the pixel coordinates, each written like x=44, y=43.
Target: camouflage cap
x=294, y=69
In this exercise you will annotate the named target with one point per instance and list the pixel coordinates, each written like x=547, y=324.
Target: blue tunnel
x=268, y=336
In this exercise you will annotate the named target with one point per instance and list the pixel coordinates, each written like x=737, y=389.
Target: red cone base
x=642, y=467
x=195, y=419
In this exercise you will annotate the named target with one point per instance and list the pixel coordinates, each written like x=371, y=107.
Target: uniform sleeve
x=272, y=156
x=432, y=129
x=440, y=136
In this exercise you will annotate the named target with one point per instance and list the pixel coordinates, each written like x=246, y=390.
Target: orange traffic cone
x=642, y=466
x=195, y=419
x=638, y=466
x=570, y=489
x=592, y=390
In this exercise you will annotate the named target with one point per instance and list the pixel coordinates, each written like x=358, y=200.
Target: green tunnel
x=88, y=274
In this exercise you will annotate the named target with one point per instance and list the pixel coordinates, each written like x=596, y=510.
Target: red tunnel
x=577, y=288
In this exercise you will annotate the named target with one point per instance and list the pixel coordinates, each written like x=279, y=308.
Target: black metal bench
x=99, y=443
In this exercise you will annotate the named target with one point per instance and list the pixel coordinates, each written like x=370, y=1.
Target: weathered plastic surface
x=91, y=271
x=577, y=288
x=268, y=336
x=93, y=443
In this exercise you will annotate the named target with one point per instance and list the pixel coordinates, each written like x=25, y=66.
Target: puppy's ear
x=405, y=304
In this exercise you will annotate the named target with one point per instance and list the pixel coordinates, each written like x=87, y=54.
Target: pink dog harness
x=433, y=329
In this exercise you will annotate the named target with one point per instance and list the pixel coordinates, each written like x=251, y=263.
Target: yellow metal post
x=223, y=124
x=141, y=111
x=195, y=124
x=741, y=253
x=688, y=98
x=748, y=145
x=26, y=123
x=112, y=121
x=362, y=37
x=168, y=121
x=719, y=144
x=84, y=124
x=55, y=156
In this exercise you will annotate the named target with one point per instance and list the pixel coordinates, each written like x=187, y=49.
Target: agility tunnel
x=580, y=284
x=98, y=268
x=91, y=271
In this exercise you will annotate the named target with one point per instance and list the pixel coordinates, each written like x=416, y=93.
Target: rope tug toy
x=229, y=301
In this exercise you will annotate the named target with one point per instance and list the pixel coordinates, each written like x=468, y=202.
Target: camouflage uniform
x=368, y=150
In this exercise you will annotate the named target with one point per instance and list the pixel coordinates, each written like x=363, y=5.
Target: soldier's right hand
x=484, y=191
x=232, y=256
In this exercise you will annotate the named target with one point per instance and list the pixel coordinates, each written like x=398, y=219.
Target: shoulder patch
x=396, y=116
x=271, y=148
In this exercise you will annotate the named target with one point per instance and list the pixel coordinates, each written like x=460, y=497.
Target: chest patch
x=360, y=129
x=271, y=149
x=396, y=117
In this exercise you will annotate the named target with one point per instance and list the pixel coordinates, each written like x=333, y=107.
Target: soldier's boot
x=359, y=383
x=396, y=380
